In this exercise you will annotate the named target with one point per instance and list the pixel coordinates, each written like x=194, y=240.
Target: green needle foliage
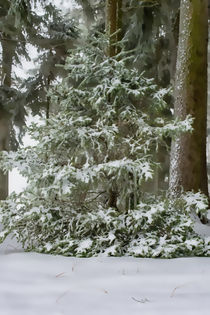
x=86, y=173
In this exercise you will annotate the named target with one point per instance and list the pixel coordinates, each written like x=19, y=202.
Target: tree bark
x=4, y=138
x=188, y=166
x=7, y=58
x=113, y=24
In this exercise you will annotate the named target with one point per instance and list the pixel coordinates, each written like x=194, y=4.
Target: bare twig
x=60, y=274
x=145, y=300
x=176, y=288
x=99, y=194
x=61, y=296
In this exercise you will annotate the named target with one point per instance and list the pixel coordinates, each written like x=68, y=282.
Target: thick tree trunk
x=188, y=169
x=7, y=57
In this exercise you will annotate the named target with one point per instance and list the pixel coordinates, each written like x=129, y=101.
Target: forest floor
x=35, y=284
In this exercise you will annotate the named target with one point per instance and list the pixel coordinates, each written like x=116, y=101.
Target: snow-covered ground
x=34, y=284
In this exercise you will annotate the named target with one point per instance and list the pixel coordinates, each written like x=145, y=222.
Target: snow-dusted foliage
x=85, y=175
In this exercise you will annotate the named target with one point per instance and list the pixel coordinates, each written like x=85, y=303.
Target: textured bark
x=119, y=23
x=4, y=142
x=7, y=58
x=188, y=169
x=113, y=24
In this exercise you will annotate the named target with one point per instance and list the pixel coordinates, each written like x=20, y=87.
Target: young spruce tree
x=100, y=141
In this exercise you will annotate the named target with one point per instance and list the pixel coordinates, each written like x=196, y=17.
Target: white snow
x=32, y=284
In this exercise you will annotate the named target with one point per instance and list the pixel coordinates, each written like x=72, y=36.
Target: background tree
x=141, y=22
x=150, y=31
x=57, y=36
x=188, y=168
x=52, y=35
x=12, y=45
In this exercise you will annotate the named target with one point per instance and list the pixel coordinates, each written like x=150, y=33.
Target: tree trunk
x=188, y=168
x=7, y=58
x=113, y=24
x=4, y=138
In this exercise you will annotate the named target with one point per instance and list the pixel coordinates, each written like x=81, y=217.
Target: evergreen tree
x=150, y=31
x=59, y=34
x=86, y=174
x=100, y=141
x=19, y=26
x=150, y=28
x=13, y=46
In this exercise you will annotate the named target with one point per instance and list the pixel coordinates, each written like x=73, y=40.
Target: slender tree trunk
x=113, y=24
x=188, y=168
x=7, y=57
x=119, y=23
x=48, y=98
x=4, y=134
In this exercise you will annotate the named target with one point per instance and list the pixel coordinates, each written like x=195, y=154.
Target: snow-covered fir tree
x=86, y=173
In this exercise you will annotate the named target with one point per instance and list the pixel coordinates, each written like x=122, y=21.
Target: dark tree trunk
x=113, y=27
x=113, y=24
x=8, y=48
